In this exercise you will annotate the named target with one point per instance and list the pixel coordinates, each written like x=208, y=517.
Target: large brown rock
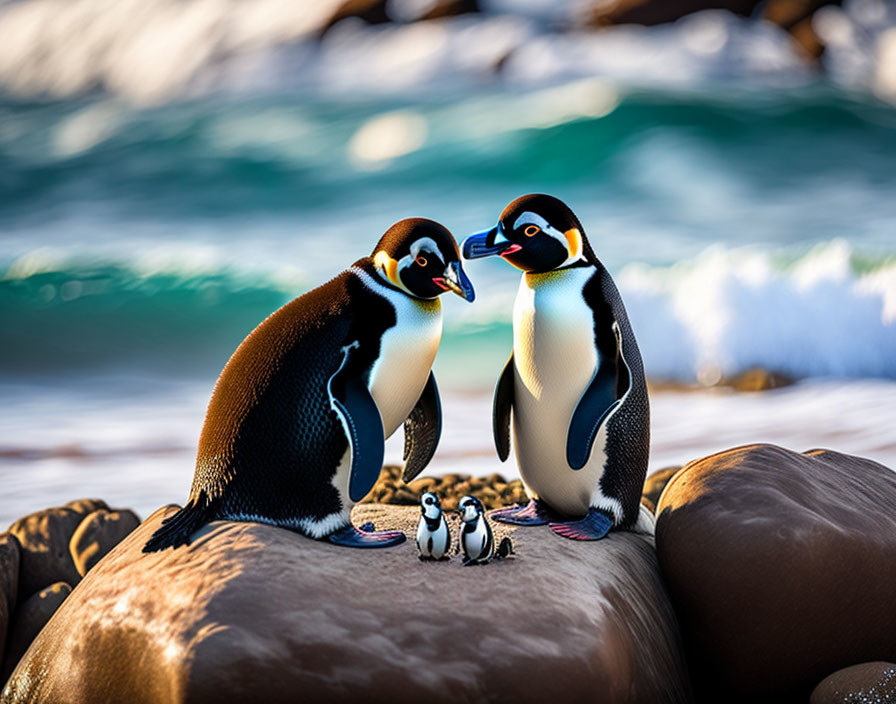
x=782, y=568
x=9, y=582
x=251, y=613
x=30, y=617
x=44, y=538
x=868, y=683
x=97, y=534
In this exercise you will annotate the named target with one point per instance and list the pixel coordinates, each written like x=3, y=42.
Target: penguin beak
x=478, y=245
x=455, y=279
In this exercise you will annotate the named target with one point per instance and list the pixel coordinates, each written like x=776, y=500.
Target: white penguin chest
x=555, y=358
x=475, y=542
x=407, y=351
x=433, y=543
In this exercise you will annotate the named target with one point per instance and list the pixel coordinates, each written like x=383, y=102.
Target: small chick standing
x=476, y=538
x=295, y=429
x=433, y=534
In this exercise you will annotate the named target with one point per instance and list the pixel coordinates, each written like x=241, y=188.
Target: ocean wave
x=729, y=310
x=695, y=157
x=829, y=312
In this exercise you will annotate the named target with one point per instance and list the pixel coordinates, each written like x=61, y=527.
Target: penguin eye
x=421, y=260
x=531, y=230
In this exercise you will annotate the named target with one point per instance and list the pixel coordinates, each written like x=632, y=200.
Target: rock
x=250, y=612
x=368, y=11
x=652, y=12
x=781, y=567
x=29, y=618
x=44, y=537
x=391, y=489
x=868, y=682
x=758, y=379
x=448, y=8
x=807, y=39
x=97, y=534
x=654, y=485
x=9, y=581
x=85, y=506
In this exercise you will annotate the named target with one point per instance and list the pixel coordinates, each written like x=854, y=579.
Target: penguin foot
x=594, y=526
x=535, y=513
x=351, y=537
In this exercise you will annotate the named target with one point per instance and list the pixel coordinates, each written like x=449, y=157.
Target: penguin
x=574, y=385
x=295, y=429
x=476, y=538
x=433, y=534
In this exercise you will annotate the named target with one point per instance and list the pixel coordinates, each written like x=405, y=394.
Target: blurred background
x=172, y=171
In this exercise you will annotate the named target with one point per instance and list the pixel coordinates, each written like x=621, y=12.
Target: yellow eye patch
x=574, y=240
x=388, y=265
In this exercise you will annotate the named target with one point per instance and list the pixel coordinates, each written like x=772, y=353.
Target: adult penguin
x=295, y=429
x=574, y=384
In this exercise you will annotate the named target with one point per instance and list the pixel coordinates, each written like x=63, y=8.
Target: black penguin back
x=271, y=443
x=628, y=429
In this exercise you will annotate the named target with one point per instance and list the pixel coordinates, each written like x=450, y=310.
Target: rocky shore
x=770, y=579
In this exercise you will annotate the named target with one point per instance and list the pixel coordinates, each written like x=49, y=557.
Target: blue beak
x=478, y=245
x=457, y=280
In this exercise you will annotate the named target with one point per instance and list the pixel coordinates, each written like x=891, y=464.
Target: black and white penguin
x=477, y=542
x=574, y=381
x=433, y=534
x=295, y=429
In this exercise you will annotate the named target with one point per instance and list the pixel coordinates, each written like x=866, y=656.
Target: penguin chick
x=433, y=534
x=476, y=538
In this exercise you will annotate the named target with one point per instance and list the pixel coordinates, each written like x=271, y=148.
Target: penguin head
x=469, y=508
x=421, y=258
x=430, y=505
x=536, y=233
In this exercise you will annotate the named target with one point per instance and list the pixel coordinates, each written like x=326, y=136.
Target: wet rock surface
x=30, y=617
x=42, y=557
x=97, y=534
x=781, y=567
x=868, y=683
x=45, y=559
x=250, y=612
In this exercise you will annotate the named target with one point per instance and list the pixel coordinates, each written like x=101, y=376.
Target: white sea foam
x=729, y=310
x=150, y=51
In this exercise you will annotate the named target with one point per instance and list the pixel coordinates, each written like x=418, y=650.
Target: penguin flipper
x=501, y=410
x=594, y=526
x=600, y=399
x=363, y=427
x=422, y=430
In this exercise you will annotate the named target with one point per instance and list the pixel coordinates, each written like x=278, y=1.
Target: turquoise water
x=154, y=240
x=139, y=247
